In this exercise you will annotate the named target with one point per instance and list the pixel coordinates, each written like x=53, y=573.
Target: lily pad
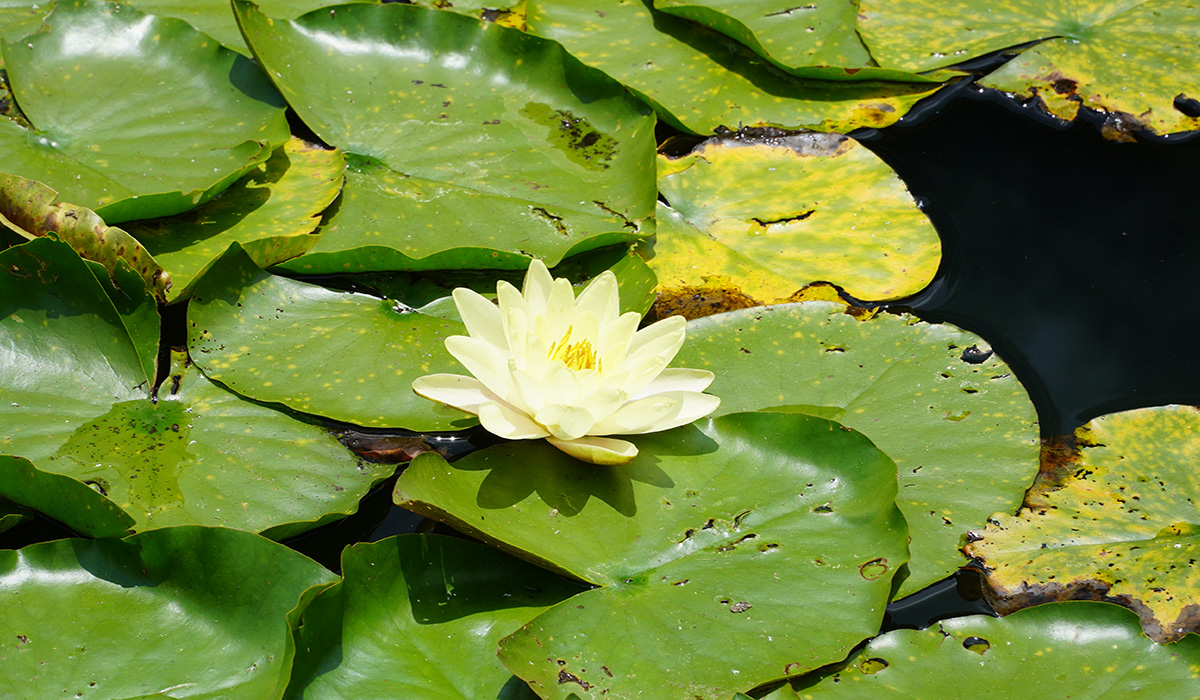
x=779, y=531
x=349, y=357
x=1120, y=524
x=419, y=616
x=151, y=129
x=700, y=80
x=1102, y=55
x=206, y=612
x=76, y=505
x=951, y=414
x=1064, y=650
x=271, y=212
x=486, y=147
x=30, y=209
x=768, y=218
x=812, y=41
x=75, y=401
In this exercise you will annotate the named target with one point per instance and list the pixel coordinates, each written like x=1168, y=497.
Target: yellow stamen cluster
x=578, y=355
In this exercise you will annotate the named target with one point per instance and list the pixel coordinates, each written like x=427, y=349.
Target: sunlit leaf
x=182, y=612
x=419, y=616
x=811, y=40
x=134, y=116
x=1108, y=54
x=77, y=505
x=1064, y=650
x=271, y=212
x=778, y=531
x=770, y=217
x=350, y=357
x=468, y=144
x=958, y=424
x=74, y=400
x=1119, y=524
x=702, y=80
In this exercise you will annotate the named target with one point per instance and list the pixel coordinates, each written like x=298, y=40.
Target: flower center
x=578, y=355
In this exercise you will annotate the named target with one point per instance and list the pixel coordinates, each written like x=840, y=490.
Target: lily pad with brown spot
x=769, y=218
x=959, y=425
x=469, y=144
x=1121, y=524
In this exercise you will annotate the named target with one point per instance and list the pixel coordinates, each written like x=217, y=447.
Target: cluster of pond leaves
x=154, y=181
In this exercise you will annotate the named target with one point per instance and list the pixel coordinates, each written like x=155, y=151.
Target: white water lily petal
x=536, y=290
x=464, y=393
x=677, y=379
x=572, y=370
x=482, y=360
x=480, y=316
x=600, y=297
x=500, y=419
x=657, y=413
x=597, y=450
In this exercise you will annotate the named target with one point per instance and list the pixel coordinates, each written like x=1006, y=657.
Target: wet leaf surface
x=777, y=530
x=206, y=610
x=702, y=80
x=769, y=218
x=560, y=160
x=103, y=140
x=419, y=616
x=959, y=426
x=1120, y=524
x=1062, y=650
x=271, y=212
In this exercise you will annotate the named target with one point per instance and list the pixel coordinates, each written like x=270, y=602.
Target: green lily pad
x=1103, y=55
x=76, y=505
x=769, y=218
x=812, y=41
x=29, y=208
x=349, y=357
x=11, y=516
x=271, y=213
x=184, y=612
x=958, y=424
x=1064, y=650
x=700, y=80
x=105, y=139
x=419, y=616
x=500, y=149
x=74, y=400
x=1119, y=524
x=779, y=531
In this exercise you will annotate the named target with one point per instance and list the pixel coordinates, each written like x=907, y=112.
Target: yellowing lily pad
x=1132, y=58
x=1120, y=524
x=951, y=414
x=771, y=217
x=700, y=80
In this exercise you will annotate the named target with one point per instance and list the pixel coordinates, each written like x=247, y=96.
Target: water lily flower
x=572, y=370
